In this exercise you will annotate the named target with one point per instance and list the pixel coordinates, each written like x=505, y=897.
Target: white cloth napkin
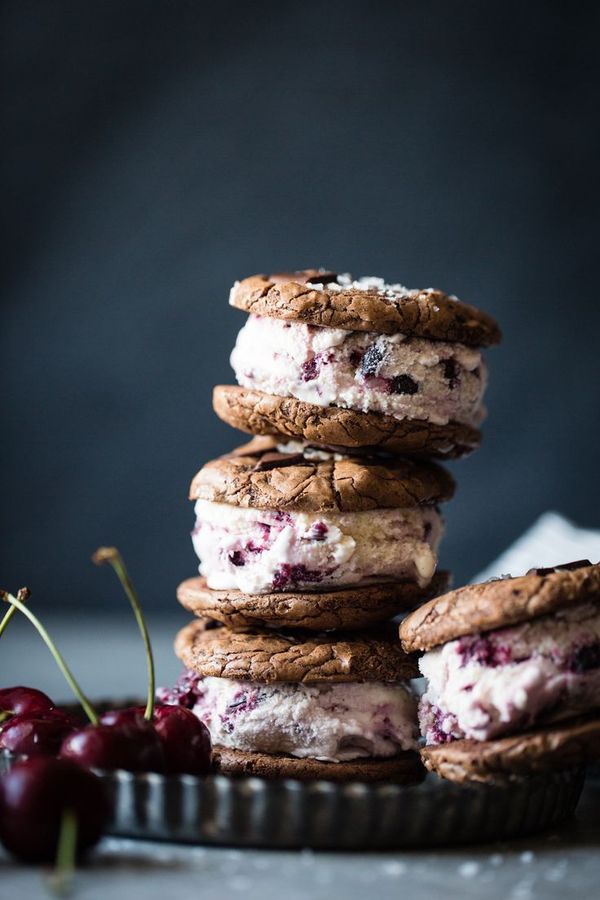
x=550, y=541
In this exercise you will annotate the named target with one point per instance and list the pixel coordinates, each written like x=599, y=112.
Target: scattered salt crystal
x=557, y=872
x=469, y=869
x=496, y=859
x=526, y=857
x=394, y=868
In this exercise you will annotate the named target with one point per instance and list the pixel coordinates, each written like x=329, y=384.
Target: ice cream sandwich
x=358, y=364
x=312, y=539
x=513, y=673
x=333, y=706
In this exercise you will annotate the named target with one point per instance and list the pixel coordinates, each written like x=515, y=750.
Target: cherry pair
x=174, y=742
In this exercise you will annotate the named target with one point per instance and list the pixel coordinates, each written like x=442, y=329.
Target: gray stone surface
x=105, y=653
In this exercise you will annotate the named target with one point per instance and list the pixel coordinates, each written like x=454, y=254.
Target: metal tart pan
x=257, y=812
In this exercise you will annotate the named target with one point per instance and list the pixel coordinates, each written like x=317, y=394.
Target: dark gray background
x=156, y=151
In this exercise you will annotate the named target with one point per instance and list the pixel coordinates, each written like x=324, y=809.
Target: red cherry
x=131, y=715
x=135, y=747
x=185, y=739
x=24, y=701
x=35, y=793
x=40, y=735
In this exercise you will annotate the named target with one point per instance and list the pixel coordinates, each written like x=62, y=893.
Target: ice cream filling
x=333, y=722
x=400, y=376
x=259, y=550
x=487, y=685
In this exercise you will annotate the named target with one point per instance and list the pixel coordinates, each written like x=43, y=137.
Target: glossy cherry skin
x=24, y=701
x=40, y=735
x=129, y=716
x=185, y=739
x=34, y=794
x=134, y=747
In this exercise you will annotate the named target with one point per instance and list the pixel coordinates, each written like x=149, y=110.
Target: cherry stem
x=62, y=877
x=23, y=595
x=112, y=556
x=85, y=703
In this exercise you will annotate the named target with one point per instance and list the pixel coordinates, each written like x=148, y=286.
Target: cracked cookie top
x=326, y=299
x=259, y=476
x=500, y=602
x=264, y=655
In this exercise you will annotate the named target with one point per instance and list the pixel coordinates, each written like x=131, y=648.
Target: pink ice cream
x=258, y=551
x=333, y=722
x=487, y=685
x=400, y=376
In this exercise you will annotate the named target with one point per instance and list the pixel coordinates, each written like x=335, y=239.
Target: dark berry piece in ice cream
x=403, y=384
x=451, y=372
x=185, y=691
x=243, y=701
x=318, y=532
x=310, y=369
x=371, y=361
x=237, y=558
x=483, y=651
x=585, y=658
x=290, y=576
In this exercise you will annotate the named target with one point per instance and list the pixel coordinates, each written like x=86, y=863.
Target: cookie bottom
x=405, y=768
x=266, y=414
x=560, y=746
x=346, y=609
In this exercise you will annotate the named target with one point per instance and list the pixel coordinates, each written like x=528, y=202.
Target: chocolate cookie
x=267, y=656
x=498, y=603
x=405, y=768
x=558, y=746
x=365, y=305
x=267, y=414
x=266, y=479
x=347, y=609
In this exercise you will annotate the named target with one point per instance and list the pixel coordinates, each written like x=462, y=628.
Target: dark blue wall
x=156, y=151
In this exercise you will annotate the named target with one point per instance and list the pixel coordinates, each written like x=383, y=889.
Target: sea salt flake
x=394, y=869
x=469, y=869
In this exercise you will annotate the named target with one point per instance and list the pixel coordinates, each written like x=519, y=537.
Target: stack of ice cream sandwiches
x=326, y=525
